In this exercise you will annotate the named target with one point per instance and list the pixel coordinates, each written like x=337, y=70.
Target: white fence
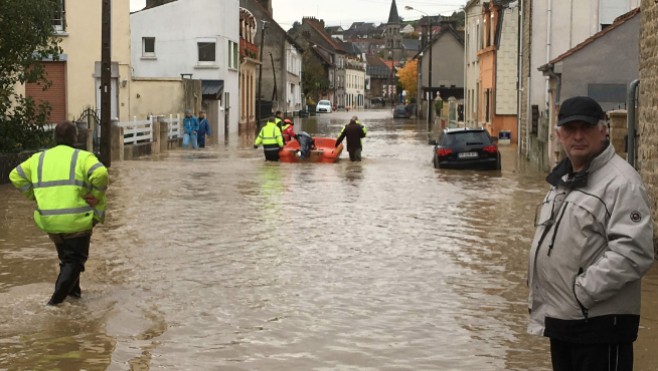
x=135, y=131
x=142, y=131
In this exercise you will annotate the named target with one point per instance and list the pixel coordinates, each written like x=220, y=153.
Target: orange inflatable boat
x=324, y=151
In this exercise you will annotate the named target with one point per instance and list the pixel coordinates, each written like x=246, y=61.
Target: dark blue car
x=466, y=148
x=401, y=112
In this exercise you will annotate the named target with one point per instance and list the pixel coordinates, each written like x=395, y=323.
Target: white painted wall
x=293, y=81
x=177, y=27
x=571, y=22
x=355, y=81
x=472, y=36
x=557, y=26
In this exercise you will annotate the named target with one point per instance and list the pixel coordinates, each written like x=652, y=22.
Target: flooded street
x=217, y=260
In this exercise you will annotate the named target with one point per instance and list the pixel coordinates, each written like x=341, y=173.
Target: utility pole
x=335, y=81
x=260, y=75
x=431, y=96
x=106, y=87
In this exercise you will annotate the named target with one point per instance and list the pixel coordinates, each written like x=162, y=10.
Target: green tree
x=314, y=79
x=27, y=39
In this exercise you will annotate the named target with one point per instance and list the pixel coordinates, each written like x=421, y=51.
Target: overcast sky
x=345, y=12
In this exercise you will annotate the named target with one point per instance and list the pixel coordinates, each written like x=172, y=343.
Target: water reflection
x=215, y=259
x=352, y=172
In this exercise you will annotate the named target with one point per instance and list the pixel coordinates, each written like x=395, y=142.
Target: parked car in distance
x=323, y=106
x=466, y=148
x=401, y=112
x=377, y=101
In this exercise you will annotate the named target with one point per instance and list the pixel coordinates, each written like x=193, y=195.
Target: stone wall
x=647, y=150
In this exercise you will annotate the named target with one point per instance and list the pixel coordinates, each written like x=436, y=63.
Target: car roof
x=463, y=130
x=324, y=101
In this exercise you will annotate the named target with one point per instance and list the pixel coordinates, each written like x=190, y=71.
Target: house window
x=534, y=128
x=148, y=46
x=487, y=106
x=59, y=19
x=206, y=51
x=233, y=54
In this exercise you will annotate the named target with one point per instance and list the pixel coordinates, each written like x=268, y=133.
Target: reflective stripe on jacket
x=270, y=135
x=59, y=179
x=353, y=132
x=593, y=243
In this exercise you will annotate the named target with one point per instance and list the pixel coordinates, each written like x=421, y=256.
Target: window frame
x=233, y=54
x=59, y=23
x=206, y=43
x=148, y=54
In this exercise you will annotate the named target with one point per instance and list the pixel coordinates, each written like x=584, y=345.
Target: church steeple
x=392, y=34
x=393, y=17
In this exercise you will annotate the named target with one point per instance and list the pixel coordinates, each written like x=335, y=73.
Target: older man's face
x=582, y=141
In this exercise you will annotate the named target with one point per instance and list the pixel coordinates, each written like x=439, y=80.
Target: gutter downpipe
x=549, y=20
x=631, y=93
x=519, y=83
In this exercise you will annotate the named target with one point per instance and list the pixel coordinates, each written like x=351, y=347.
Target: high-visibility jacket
x=353, y=132
x=278, y=122
x=270, y=135
x=59, y=179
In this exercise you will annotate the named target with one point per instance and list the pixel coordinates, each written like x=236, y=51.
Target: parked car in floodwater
x=323, y=106
x=466, y=148
x=401, y=112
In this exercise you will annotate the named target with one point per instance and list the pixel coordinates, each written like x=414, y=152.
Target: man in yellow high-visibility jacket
x=68, y=185
x=272, y=140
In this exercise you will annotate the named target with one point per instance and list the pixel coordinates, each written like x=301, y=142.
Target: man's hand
x=91, y=200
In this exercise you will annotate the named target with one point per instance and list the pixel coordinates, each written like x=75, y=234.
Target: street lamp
x=429, y=66
x=333, y=61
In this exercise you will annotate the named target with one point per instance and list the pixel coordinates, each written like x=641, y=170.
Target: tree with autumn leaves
x=408, y=77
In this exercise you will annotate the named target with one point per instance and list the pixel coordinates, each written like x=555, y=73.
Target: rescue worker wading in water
x=271, y=139
x=68, y=186
x=288, y=130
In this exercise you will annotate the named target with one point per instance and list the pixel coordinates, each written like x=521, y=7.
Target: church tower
x=392, y=35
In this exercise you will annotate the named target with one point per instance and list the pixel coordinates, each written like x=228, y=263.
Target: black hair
x=66, y=133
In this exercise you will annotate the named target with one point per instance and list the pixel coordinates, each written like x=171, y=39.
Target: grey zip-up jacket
x=593, y=243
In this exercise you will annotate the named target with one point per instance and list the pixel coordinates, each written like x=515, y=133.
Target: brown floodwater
x=217, y=260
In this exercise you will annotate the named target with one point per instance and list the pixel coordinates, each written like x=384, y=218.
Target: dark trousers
x=201, y=139
x=355, y=154
x=271, y=152
x=73, y=254
x=591, y=357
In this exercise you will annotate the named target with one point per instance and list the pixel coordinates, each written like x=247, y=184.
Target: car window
x=464, y=138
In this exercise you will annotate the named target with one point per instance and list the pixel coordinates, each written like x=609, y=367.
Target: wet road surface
x=216, y=260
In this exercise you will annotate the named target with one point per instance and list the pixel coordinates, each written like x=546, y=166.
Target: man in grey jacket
x=592, y=245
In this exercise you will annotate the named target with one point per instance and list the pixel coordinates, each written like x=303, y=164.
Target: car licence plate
x=468, y=155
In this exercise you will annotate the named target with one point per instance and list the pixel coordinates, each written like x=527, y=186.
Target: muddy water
x=216, y=260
